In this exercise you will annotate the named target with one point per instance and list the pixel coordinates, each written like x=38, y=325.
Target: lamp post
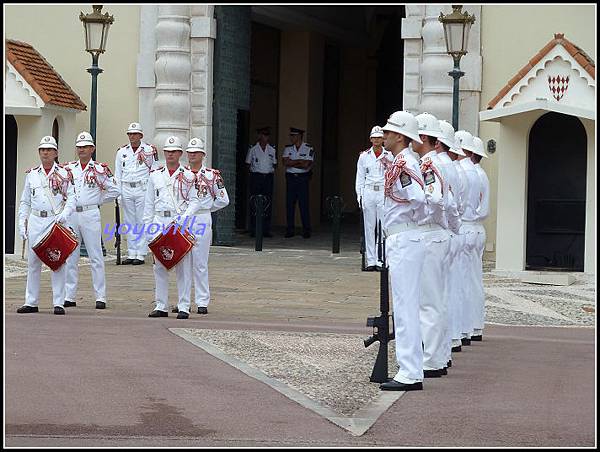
x=456, y=31
x=95, y=26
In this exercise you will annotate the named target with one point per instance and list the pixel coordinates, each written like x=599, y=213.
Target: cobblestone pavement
x=307, y=273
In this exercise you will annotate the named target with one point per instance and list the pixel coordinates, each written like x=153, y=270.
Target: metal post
x=335, y=213
x=259, y=218
x=456, y=74
x=94, y=70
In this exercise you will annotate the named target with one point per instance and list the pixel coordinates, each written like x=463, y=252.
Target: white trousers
x=37, y=227
x=200, y=258
x=479, y=303
x=87, y=225
x=132, y=213
x=372, y=209
x=433, y=308
x=455, y=278
x=405, y=253
x=469, y=257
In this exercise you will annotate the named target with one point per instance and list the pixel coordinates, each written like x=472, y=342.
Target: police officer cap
x=296, y=131
x=264, y=130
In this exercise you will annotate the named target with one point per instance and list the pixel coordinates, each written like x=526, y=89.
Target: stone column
x=203, y=34
x=412, y=26
x=173, y=69
x=436, y=89
x=146, y=81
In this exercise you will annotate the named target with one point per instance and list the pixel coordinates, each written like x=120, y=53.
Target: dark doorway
x=556, y=194
x=390, y=62
x=241, y=180
x=264, y=104
x=10, y=183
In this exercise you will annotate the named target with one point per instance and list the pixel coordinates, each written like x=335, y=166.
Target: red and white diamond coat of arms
x=558, y=85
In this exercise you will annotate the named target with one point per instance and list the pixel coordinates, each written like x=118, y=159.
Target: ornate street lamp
x=95, y=26
x=456, y=31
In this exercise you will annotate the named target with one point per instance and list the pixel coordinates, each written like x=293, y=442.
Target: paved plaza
x=279, y=361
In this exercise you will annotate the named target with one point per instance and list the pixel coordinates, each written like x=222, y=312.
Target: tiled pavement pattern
x=317, y=276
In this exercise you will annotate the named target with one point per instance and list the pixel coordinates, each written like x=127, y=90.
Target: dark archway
x=556, y=194
x=10, y=183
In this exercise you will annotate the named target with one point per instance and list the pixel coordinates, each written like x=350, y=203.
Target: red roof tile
x=577, y=53
x=41, y=76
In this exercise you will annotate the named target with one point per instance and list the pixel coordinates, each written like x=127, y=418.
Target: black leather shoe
x=449, y=363
x=371, y=268
x=456, y=349
x=288, y=235
x=444, y=371
x=59, y=310
x=175, y=310
x=202, y=310
x=465, y=341
x=69, y=304
x=127, y=261
x=137, y=262
x=477, y=338
x=183, y=315
x=394, y=385
x=100, y=305
x=432, y=373
x=157, y=313
x=27, y=309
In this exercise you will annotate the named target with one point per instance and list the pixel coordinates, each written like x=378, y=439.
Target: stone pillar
x=146, y=81
x=173, y=69
x=436, y=88
x=412, y=26
x=203, y=34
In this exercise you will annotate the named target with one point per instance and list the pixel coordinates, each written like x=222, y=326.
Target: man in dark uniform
x=262, y=160
x=298, y=159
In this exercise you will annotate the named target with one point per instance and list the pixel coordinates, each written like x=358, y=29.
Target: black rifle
x=363, y=251
x=117, y=235
x=382, y=322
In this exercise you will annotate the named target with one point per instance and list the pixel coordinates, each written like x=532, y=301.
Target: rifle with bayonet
x=384, y=333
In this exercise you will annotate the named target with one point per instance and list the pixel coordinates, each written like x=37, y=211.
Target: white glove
x=359, y=201
x=61, y=219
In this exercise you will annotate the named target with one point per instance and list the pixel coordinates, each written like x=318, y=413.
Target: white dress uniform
x=213, y=195
x=94, y=186
x=470, y=229
x=131, y=171
x=369, y=186
x=261, y=160
x=462, y=260
x=46, y=198
x=482, y=211
x=433, y=312
x=404, y=207
x=297, y=183
x=171, y=197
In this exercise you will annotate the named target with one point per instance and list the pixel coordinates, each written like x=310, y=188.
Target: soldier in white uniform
x=483, y=211
x=447, y=151
x=470, y=230
x=370, y=177
x=94, y=186
x=172, y=195
x=133, y=164
x=48, y=197
x=433, y=312
x=213, y=196
x=404, y=207
x=262, y=161
x=298, y=159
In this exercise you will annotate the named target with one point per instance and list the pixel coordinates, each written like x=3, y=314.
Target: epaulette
x=160, y=168
x=32, y=169
x=308, y=145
